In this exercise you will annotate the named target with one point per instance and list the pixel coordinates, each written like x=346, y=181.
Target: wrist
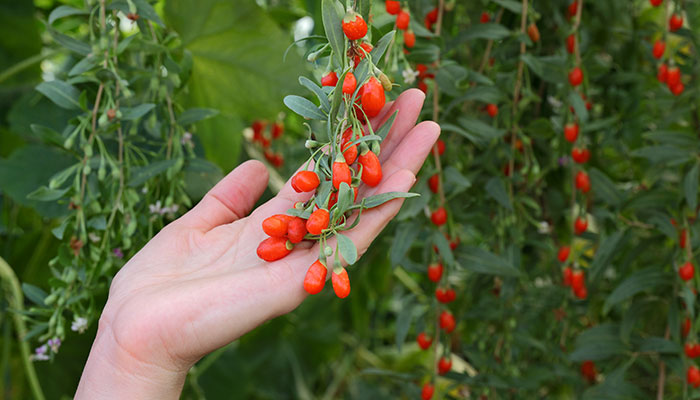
x=113, y=372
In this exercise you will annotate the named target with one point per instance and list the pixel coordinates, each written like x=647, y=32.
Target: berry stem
x=489, y=45
x=577, y=23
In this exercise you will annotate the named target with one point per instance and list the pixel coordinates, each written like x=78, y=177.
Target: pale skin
x=199, y=284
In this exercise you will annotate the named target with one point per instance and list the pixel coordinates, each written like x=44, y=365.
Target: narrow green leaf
x=304, y=107
x=606, y=251
x=379, y=199
x=598, y=343
x=87, y=63
x=579, y=106
x=45, y=194
x=403, y=321
x=481, y=130
x=406, y=234
x=347, y=248
x=64, y=11
x=61, y=93
x=690, y=187
x=332, y=15
x=443, y=247
x=604, y=188
x=481, y=261
x=384, y=129
x=320, y=94
x=490, y=31
x=142, y=174
x=146, y=10
x=380, y=48
x=47, y=135
x=132, y=113
x=35, y=294
x=664, y=154
x=345, y=199
x=193, y=115
x=71, y=43
x=497, y=189
x=659, y=345
x=510, y=5
x=640, y=281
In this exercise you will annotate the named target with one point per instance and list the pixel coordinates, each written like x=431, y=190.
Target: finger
x=231, y=199
x=408, y=105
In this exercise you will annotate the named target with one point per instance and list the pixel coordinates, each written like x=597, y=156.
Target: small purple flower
x=563, y=161
x=118, y=253
x=54, y=344
x=40, y=354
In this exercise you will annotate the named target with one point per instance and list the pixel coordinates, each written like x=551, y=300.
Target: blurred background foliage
x=644, y=143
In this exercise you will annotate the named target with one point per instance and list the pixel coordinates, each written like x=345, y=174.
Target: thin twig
x=662, y=372
x=489, y=45
x=516, y=98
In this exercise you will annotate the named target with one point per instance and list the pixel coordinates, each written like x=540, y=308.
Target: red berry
x=571, y=132
x=568, y=276
x=571, y=43
x=372, y=97
x=492, y=109
x=575, y=76
x=691, y=350
x=424, y=341
x=677, y=89
x=432, y=15
x=354, y=26
x=427, y=392
x=315, y=278
x=341, y=173
x=441, y=295
x=305, y=181
x=318, y=221
x=360, y=54
x=573, y=8
x=533, y=32
x=578, y=279
x=440, y=146
x=447, y=321
x=422, y=86
x=392, y=7
x=581, y=292
x=686, y=327
x=444, y=365
x=682, y=238
x=563, y=254
x=583, y=182
x=693, y=376
x=439, y=216
x=450, y=295
x=341, y=283
x=662, y=75
x=659, y=49
x=276, y=225
x=580, y=225
x=434, y=182
x=581, y=156
x=402, y=19
x=673, y=76
x=588, y=370
x=274, y=248
x=656, y=3
x=435, y=272
x=296, y=230
x=349, y=152
x=675, y=22
x=409, y=38
x=349, y=83
x=485, y=17
x=331, y=79
x=687, y=271
x=371, y=168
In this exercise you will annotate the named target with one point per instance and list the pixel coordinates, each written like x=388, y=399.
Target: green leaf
x=604, y=188
x=363, y=7
x=640, y=281
x=379, y=199
x=332, y=14
x=405, y=235
x=659, y=345
x=141, y=174
x=605, y=253
x=482, y=131
x=664, y=154
x=347, y=248
x=345, y=199
x=36, y=330
x=511, y=5
x=72, y=44
x=320, y=94
x=484, y=31
x=386, y=126
x=47, y=135
x=579, y=106
x=45, y=194
x=481, y=261
x=87, y=63
x=60, y=229
x=133, y=113
x=61, y=93
x=497, y=189
x=443, y=247
x=403, y=321
x=380, y=48
x=304, y=107
x=64, y=11
x=598, y=343
x=34, y=294
x=146, y=10
x=680, y=139
x=193, y=115
x=690, y=187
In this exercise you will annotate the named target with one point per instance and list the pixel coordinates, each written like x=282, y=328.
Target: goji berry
x=434, y=182
x=568, y=276
x=331, y=79
x=424, y=341
x=354, y=26
x=318, y=221
x=277, y=130
x=677, y=89
x=274, y=248
x=447, y=321
x=563, y=254
x=432, y=15
x=686, y=327
x=583, y=182
x=693, y=376
x=675, y=22
x=444, y=365
x=341, y=283
x=656, y=3
x=533, y=33
x=439, y=216
x=349, y=152
x=372, y=97
x=492, y=109
x=341, y=173
x=305, y=181
x=315, y=278
x=575, y=76
x=571, y=43
x=402, y=20
x=682, y=238
x=691, y=350
x=485, y=17
x=658, y=49
x=276, y=225
x=588, y=370
x=440, y=146
x=392, y=6
x=581, y=156
x=571, y=132
x=581, y=292
x=349, y=83
x=673, y=76
x=435, y=272
x=409, y=38
x=578, y=279
x=687, y=271
x=427, y=391
x=371, y=168
x=580, y=225
x=296, y=230
x=573, y=8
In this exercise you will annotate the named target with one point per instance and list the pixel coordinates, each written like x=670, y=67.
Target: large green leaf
x=642, y=280
x=484, y=262
x=237, y=68
x=598, y=343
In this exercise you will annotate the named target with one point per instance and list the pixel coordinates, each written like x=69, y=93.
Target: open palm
x=199, y=284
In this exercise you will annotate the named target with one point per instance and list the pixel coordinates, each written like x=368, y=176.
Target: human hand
x=199, y=284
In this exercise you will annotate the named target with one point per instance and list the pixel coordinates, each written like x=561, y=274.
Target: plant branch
x=489, y=45
x=516, y=99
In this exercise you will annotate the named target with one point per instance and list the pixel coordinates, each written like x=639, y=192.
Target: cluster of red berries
x=403, y=18
x=423, y=74
x=670, y=75
x=573, y=278
x=264, y=133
